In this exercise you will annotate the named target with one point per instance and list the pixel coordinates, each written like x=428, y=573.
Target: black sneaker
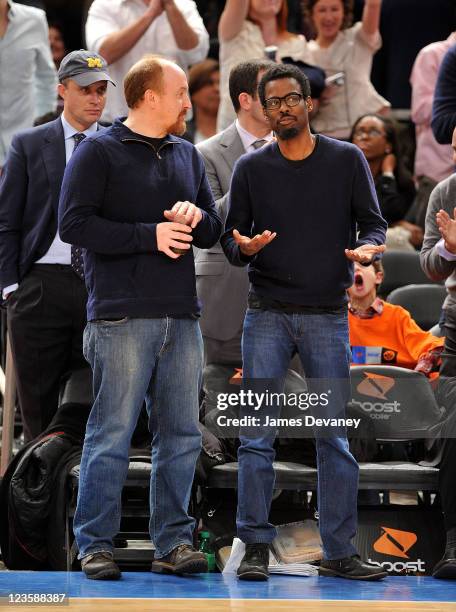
x=254, y=564
x=446, y=567
x=100, y=566
x=183, y=559
x=352, y=568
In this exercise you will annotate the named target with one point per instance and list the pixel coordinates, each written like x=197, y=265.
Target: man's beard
x=178, y=128
x=287, y=133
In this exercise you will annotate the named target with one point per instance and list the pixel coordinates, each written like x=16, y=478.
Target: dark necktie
x=77, y=262
x=259, y=143
x=78, y=138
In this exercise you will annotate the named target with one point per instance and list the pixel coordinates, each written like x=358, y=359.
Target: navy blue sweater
x=114, y=192
x=314, y=206
x=444, y=105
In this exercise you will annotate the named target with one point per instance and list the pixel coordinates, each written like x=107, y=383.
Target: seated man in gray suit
x=221, y=287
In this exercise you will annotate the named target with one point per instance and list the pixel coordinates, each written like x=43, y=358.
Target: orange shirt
x=390, y=338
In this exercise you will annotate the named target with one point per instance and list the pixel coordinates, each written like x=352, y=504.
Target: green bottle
x=206, y=548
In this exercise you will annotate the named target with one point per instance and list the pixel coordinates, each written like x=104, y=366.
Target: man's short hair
x=244, y=79
x=145, y=74
x=283, y=71
x=378, y=266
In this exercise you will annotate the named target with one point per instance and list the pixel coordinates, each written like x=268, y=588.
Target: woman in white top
x=339, y=48
x=246, y=28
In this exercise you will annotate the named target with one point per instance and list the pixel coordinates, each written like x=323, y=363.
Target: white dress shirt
x=443, y=252
x=108, y=16
x=59, y=252
x=28, y=78
x=248, y=139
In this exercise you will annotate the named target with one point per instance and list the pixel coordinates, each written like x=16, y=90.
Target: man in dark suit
x=40, y=276
x=223, y=288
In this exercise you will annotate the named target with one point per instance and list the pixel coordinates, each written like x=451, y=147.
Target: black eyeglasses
x=291, y=99
x=372, y=133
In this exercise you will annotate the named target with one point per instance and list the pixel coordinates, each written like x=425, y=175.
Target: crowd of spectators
x=342, y=37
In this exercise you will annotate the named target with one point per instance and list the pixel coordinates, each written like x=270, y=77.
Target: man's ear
x=245, y=101
x=61, y=90
x=309, y=104
x=150, y=98
x=379, y=278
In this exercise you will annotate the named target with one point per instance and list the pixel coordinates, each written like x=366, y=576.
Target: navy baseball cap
x=84, y=67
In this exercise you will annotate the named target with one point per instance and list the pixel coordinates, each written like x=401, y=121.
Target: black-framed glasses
x=291, y=99
x=372, y=133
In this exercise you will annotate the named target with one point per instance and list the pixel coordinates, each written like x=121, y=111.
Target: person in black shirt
x=295, y=207
x=377, y=138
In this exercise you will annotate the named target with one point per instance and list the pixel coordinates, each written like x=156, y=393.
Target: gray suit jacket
x=222, y=288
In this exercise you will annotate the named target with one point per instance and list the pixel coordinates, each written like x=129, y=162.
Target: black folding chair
x=424, y=302
x=401, y=268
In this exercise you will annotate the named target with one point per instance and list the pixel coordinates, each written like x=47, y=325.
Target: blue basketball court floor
x=147, y=591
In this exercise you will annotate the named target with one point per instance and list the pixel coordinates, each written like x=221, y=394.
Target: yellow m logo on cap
x=94, y=62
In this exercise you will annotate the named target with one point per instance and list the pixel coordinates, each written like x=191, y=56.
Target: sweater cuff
x=244, y=260
x=147, y=237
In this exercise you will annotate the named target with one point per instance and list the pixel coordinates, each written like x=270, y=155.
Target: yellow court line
x=235, y=605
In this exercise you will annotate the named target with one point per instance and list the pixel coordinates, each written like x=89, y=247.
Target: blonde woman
x=344, y=52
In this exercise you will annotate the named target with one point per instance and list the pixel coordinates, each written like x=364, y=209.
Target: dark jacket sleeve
x=13, y=195
x=240, y=216
x=444, y=105
x=371, y=225
x=208, y=230
x=394, y=203
x=81, y=197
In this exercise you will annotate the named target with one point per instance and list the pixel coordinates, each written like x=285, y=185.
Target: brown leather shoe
x=100, y=566
x=183, y=559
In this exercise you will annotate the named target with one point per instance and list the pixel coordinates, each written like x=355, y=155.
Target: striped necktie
x=259, y=143
x=78, y=138
x=77, y=262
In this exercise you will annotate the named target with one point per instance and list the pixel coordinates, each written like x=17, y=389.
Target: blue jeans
x=269, y=341
x=159, y=360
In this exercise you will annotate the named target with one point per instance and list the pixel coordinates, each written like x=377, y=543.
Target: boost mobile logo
x=397, y=543
x=394, y=542
x=377, y=386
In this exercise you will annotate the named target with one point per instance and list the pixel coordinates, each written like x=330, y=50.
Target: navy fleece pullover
x=316, y=206
x=444, y=104
x=114, y=192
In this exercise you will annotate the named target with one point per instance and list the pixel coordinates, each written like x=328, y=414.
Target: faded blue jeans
x=159, y=361
x=269, y=340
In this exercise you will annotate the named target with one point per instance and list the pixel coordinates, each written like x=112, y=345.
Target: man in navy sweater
x=136, y=197
x=295, y=207
x=444, y=105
